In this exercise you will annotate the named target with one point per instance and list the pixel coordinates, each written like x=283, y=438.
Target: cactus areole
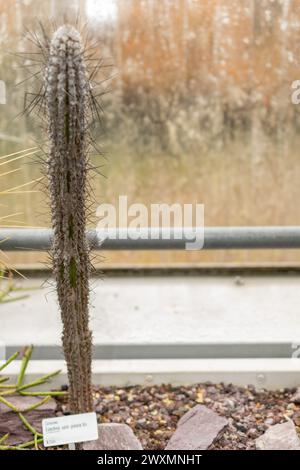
x=66, y=92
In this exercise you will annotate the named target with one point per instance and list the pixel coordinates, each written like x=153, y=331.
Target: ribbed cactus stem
x=66, y=91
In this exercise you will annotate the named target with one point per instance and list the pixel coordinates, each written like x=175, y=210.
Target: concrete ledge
x=198, y=318
x=262, y=373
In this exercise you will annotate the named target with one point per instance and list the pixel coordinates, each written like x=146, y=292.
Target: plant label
x=70, y=429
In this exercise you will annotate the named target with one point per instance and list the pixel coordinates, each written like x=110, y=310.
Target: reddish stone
x=114, y=436
x=296, y=397
x=197, y=429
x=279, y=437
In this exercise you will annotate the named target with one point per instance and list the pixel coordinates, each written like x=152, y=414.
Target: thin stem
x=29, y=426
x=4, y=438
x=9, y=448
x=30, y=443
x=43, y=393
x=9, y=360
x=3, y=379
x=21, y=297
x=8, y=404
x=39, y=381
x=36, y=442
x=38, y=404
x=30, y=408
x=24, y=364
x=11, y=391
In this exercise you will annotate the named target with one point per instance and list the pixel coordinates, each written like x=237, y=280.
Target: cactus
x=66, y=91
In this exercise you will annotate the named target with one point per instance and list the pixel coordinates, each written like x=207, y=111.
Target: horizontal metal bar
x=160, y=239
x=168, y=351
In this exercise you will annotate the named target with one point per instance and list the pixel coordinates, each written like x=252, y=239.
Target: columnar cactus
x=66, y=93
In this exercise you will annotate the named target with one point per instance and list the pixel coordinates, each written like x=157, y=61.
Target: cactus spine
x=66, y=93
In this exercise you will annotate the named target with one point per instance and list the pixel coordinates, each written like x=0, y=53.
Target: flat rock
x=11, y=423
x=279, y=437
x=197, y=429
x=114, y=436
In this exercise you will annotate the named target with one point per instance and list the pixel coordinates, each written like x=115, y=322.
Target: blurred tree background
x=198, y=109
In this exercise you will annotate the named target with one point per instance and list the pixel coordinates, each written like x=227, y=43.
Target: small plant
x=8, y=389
x=7, y=285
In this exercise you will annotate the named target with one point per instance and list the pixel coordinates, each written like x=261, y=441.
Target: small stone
x=197, y=429
x=291, y=406
x=229, y=403
x=252, y=432
x=296, y=397
x=241, y=427
x=296, y=418
x=279, y=437
x=114, y=436
x=269, y=421
x=199, y=396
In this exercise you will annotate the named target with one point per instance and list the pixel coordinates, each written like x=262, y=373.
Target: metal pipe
x=215, y=238
x=179, y=350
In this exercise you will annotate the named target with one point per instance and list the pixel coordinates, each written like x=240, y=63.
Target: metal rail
x=215, y=238
x=168, y=351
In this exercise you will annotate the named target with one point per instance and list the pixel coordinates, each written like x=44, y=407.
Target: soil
x=153, y=412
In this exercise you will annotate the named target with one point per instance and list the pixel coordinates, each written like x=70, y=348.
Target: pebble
x=269, y=421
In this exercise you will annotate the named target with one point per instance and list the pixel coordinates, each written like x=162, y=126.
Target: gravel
x=153, y=412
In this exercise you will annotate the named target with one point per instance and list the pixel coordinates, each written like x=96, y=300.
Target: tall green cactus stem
x=66, y=93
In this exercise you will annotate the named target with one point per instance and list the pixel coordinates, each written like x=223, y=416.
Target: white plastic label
x=70, y=429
